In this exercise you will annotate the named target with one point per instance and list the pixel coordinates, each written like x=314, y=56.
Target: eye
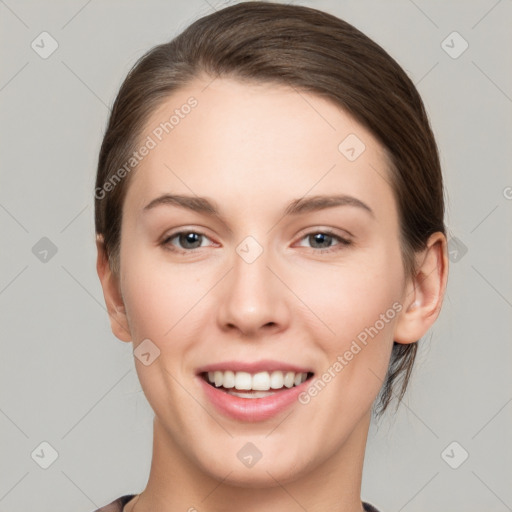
x=187, y=241
x=323, y=240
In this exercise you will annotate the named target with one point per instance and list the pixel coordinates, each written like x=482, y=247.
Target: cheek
x=163, y=304
x=349, y=298
x=363, y=323
x=360, y=304
x=159, y=297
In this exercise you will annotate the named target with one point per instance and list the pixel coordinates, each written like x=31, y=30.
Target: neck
x=177, y=483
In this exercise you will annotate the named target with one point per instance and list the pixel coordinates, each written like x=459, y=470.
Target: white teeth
x=276, y=380
x=261, y=381
x=229, y=380
x=242, y=380
x=218, y=378
x=289, y=379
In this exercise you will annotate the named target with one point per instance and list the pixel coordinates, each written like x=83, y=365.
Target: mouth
x=252, y=391
x=258, y=385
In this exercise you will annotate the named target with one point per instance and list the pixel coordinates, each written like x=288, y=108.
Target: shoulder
x=117, y=505
x=369, y=508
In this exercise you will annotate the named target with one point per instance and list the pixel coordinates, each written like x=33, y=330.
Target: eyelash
x=342, y=242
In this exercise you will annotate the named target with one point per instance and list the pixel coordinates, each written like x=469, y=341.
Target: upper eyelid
x=342, y=233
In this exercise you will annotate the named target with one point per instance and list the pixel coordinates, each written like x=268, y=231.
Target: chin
x=263, y=476
x=272, y=469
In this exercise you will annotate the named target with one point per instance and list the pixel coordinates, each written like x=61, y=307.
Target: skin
x=252, y=149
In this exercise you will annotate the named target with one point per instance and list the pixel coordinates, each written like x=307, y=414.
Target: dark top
x=118, y=505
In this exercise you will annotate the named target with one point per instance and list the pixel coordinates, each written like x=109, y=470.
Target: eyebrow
x=295, y=207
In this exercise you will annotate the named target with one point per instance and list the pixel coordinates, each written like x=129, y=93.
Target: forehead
x=258, y=143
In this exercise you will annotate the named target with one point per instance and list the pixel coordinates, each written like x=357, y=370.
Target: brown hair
x=311, y=51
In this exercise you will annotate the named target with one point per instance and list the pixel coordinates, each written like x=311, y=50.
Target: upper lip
x=253, y=367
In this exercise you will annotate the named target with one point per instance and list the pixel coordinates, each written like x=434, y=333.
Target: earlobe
x=424, y=293
x=112, y=294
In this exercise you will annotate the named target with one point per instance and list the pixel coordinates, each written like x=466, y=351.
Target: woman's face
x=253, y=270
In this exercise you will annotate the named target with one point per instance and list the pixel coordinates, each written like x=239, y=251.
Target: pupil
x=190, y=238
x=321, y=237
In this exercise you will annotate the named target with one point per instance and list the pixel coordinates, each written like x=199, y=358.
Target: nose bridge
x=251, y=297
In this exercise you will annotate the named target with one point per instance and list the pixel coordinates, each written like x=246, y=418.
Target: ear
x=112, y=294
x=424, y=292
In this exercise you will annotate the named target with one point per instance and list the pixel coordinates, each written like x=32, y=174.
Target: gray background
x=66, y=380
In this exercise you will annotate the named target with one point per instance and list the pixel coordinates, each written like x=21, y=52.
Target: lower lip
x=252, y=409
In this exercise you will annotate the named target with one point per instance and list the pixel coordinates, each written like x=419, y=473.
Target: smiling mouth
x=254, y=385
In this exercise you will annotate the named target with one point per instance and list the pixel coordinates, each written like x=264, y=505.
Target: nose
x=253, y=301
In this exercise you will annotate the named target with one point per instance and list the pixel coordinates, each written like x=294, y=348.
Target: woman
x=270, y=234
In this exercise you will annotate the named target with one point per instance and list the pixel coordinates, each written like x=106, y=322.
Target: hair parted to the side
x=311, y=51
